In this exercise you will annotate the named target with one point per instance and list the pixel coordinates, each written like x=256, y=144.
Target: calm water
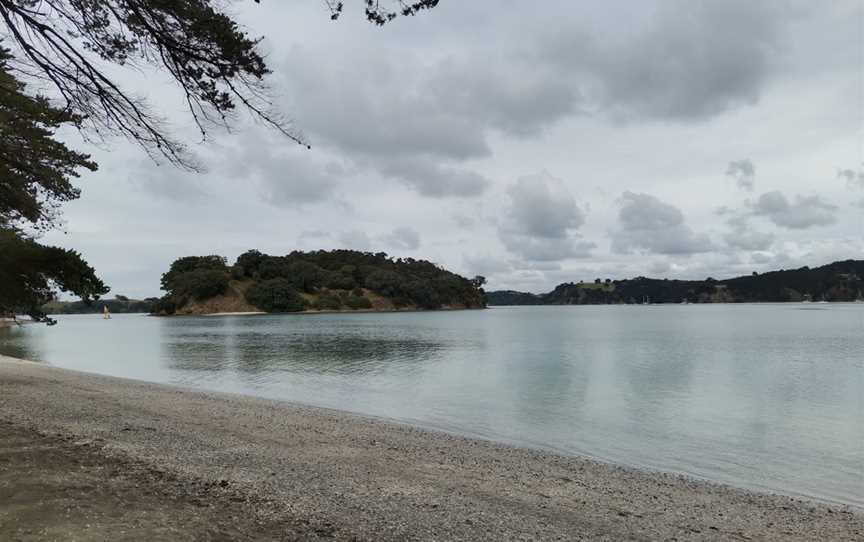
x=761, y=396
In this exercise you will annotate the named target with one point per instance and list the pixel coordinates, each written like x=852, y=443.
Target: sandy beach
x=87, y=457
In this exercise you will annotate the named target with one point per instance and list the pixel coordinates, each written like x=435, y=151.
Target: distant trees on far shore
x=838, y=281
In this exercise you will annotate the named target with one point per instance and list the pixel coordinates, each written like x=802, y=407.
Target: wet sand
x=85, y=456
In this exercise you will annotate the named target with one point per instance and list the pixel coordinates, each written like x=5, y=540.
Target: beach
x=88, y=457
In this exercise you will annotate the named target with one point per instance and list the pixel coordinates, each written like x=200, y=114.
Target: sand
x=84, y=455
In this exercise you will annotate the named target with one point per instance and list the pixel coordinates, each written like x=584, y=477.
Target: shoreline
x=378, y=480
x=311, y=312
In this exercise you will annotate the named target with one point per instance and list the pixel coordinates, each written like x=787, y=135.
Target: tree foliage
x=275, y=295
x=381, y=15
x=200, y=284
x=36, y=170
x=174, y=276
x=35, y=179
x=334, y=279
x=67, y=43
x=30, y=274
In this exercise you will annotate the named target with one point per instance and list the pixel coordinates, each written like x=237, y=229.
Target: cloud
x=410, y=106
x=743, y=237
x=314, y=234
x=853, y=179
x=433, y=180
x=520, y=102
x=165, y=182
x=805, y=212
x=403, y=238
x=744, y=173
x=659, y=267
x=355, y=240
x=684, y=65
x=540, y=222
x=464, y=221
x=285, y=177
x=419, y=116
x=646, y=224
x=485, y=265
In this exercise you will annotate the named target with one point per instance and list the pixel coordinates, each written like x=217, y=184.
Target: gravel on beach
x=87, y=457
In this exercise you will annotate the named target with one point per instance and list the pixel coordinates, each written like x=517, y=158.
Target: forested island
x=337, y=280
x=838, y=281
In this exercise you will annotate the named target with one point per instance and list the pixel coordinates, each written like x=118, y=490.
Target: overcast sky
x=616, y=139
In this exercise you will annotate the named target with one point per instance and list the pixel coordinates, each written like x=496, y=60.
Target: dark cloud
x=516, y=99
x=854, y=179
x=646, y=224
x=442, y=108
x=805, y=212
x=417, y=118
x=541, y=221
x=684, y=65
x=417, y=122
x=433, y=180
x=744, y=173
x=403, y=238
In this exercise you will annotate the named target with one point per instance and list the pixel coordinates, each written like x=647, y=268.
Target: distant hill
x=118, y=305
x=337, y=280
x=838, y=281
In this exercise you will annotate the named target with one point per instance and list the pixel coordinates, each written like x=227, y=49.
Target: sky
x=679, y=139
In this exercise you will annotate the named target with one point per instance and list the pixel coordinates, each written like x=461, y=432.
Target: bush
x=328, y=302
x=273, y=268
x=171, y=279
x=340, y=281
x=305, y=276
x=200, y=283
x=250, y=261
x=355, y=303
x=275, y=295
x=385, y=282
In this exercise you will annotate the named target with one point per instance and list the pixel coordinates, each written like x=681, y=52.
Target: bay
x=763, y=396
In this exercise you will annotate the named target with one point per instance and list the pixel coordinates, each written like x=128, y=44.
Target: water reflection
x=14, y=342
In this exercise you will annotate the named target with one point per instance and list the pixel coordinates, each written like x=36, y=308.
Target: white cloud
x=805, y=212
x=403, y=238
x=542, y=219
x=646, y=224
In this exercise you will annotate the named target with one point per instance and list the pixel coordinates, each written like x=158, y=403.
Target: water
x=761, y=396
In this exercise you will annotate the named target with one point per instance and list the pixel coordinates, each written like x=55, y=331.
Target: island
x=838, y=281
x=316, y=281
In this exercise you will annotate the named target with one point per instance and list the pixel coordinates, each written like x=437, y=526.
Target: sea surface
x=767, y=396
